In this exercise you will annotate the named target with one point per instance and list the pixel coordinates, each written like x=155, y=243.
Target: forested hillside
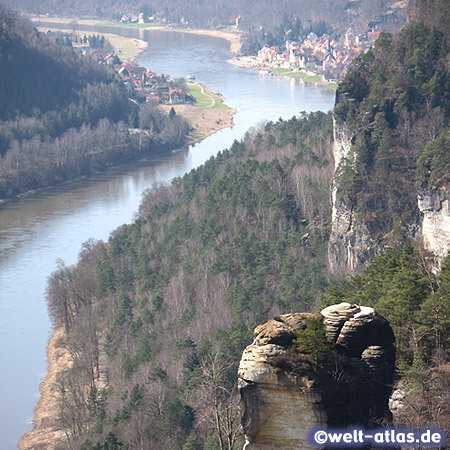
x=338, y=14
x=156, y=318
x=64, y=116
x=38, y=74
x=395, y=102
x=416, y=301
x=172, y=299
x=433, y=13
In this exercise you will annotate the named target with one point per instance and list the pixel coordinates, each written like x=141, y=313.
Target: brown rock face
x=284, y=395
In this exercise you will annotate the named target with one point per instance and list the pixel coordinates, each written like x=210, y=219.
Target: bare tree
x=220, y=403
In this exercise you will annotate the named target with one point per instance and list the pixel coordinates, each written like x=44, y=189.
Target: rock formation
x=350, y=244
x=434, y=205
x=284, y=394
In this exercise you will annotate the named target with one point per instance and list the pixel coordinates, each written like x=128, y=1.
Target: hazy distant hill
x=254, y=13
x=36, y=72
x=62, y=115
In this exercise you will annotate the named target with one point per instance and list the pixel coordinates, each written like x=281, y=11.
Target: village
x=315, y=55
x=147, y=85
x=204, y=110
x=321, y=58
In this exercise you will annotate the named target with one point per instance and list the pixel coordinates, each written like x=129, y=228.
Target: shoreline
x=116, y=42
x=205, y=122
x=251, y=63
x=46, y=433
x=233, y=37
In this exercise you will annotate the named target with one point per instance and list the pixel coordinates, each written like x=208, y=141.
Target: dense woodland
x=162, y=311
x=396, y=103
x=400, y=286
x=64, y=116
x=173, y=298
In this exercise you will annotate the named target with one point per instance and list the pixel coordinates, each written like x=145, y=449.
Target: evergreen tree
x=312, y=341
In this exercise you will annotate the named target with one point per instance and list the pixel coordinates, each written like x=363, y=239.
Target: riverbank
x=207, y=115
x=251, y=62
x=47, y=433
x=127, y=49
x=232, y=36
x=204, y=122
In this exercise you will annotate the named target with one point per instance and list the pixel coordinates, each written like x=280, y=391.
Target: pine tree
x=312, y=341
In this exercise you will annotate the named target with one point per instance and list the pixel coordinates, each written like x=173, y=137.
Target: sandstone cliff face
x=350, y=245
x=283, y=395
x=434, y=205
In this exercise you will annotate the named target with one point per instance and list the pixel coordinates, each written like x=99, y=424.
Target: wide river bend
x=37, y=230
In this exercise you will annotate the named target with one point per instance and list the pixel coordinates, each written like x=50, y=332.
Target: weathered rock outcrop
x=284, y=395
x=434, y=205
x=350, y=245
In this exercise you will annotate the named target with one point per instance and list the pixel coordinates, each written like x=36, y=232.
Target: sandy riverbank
x=46, y=433
x=204, y=122
x=139, y=46
x=233, y=37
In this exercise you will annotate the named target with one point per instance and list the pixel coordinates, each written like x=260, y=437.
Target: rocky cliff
x=350, y=245
x=434, y=205
x=284, y=394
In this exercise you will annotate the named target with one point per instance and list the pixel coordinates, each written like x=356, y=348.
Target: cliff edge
x=284, y=393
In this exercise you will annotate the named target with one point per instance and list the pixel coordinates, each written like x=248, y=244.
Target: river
x=37, y=230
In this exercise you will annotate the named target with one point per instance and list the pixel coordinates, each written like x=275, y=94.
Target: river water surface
x=35, y=231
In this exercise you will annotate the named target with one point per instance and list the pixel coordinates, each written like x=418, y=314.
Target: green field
x=288, y=73
x=313, y=78
x=123, y=47
x=279, y=70
x=204, y=100
x=303, y=75
x=296, y=75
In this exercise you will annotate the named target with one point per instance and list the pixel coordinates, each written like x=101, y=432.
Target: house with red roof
x=176, y=96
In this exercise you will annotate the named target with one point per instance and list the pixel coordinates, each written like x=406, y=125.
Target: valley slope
x=157, y=317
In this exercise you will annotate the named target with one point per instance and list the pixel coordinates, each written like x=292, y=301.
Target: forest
x=155, y=319
x=400, y=285
x=395, y=101
x=172, y=299
x=64, y=116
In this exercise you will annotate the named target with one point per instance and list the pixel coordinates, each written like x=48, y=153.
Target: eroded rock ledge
x=284, y=395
